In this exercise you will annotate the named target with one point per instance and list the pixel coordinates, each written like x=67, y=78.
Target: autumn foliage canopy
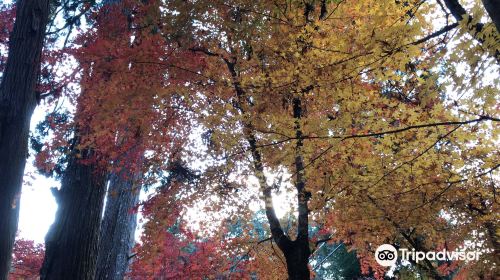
x=270, y=136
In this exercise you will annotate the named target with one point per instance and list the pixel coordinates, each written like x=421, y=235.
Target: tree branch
x=248, y=253
x=274, y=223
x=450, y=184
x=329, y=255
x=416, y=157
x=411, y=127
x=459, y=13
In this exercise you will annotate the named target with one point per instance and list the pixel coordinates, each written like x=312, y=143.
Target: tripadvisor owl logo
x=386, y=255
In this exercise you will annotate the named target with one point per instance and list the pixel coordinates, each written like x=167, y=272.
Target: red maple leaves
x=7, y=14
x=27, y=260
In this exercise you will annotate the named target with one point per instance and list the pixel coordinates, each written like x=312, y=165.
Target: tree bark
x=17, y=103
x=118, y=227
x=491, y=230
x=297, y=255
x=493, y=9
x=71, y=243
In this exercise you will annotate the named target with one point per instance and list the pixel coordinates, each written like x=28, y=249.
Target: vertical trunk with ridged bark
x=73, y=240
x=17, y=103
x=118, y=226
x=71, y=243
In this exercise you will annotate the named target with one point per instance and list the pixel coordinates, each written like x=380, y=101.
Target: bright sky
x=38, y=205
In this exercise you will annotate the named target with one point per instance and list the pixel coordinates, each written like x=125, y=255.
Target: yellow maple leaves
x=375, y=117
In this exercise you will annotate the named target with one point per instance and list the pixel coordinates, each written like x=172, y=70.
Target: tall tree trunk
x=17, y=103
x=71, y=243
x=297, y=255
x=118, y=226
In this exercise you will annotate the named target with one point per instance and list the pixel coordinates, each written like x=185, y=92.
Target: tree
x=353, y=116
x=117, y=232
x=116, y=121
x=169, y=250
x=346, y=102
x=17, y=102
x=117, y=235
x=71, y=243
x=240, y=248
